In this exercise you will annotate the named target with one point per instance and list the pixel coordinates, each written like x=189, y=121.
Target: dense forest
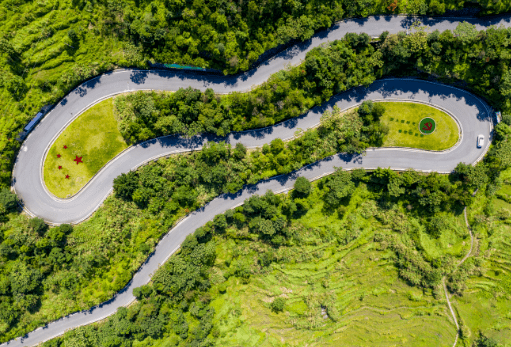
x=49, y=47
x=473, y=60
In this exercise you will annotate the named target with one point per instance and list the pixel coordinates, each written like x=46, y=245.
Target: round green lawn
x=403, y=119
x=93, y=137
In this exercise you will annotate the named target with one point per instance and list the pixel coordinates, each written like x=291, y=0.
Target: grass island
x=94, y=137
x=403, y=119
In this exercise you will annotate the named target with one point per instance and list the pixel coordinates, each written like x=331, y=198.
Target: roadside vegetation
x=266, y=274
x=94, y=138
x=363, y=123
x=47, y=48
x=326, y=71
x=402, y=120
x=339, y=261
x=46, y=273
x=87, y=266
x=399, y=126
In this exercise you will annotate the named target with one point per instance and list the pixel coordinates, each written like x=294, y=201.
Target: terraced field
x=486, y=305
x=335, y=294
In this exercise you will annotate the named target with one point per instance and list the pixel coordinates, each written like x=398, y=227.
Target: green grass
x=94, y=137
x=486, y=304
x=403, y=120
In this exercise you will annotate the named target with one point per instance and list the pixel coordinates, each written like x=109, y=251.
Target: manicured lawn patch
x=94, y=139
x=403, y=120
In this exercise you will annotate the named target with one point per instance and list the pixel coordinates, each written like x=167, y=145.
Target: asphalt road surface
x=472, y=114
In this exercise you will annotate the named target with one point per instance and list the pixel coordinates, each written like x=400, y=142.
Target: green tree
x=8, y=200
x=340, y=186
x=484, y=341
x=143, y=292
x=240, y=151
x=365, y=111
x=302, y=187
x=125, y=185
x=7, y=48
x=506, y=119
x=38, y=225
x=466, y=32
x=277, y=146
x=220, y=222
x=262, y=226
x=378, y=111
x=505, y=84
x=278, y=304
x=24, y=279
x=473, y=176
x=141, y=196
x=73, y=36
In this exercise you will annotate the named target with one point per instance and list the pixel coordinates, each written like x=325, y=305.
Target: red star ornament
x=78, y=160
x=58, y=155
x=65, y=147
x=67, y=176
x=60, y=167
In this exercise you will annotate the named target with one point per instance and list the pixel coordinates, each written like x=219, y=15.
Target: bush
x=484, y=341
x=125, y=185
x=8, y=200
x=340, y=186
x=278, y=305
x=72, y=35
x=302, y=187
x=38, y=225
x=277, y=146
x=240, y=151
x=506, y=119
x=143, y=292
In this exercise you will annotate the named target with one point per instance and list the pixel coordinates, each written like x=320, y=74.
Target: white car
x=480, y=141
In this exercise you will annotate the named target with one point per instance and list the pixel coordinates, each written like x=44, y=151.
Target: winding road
x=472, y=114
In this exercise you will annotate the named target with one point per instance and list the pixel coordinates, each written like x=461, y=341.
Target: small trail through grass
x=459, y=264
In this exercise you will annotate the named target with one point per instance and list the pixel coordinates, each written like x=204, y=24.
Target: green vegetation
x=322, y=267
x=100, y=255
x=78, y=268
x=151, y=108
x=403, y=118
x=45, y=274
x=47, y=48
x=327, y=70
x=484, y=306
x=94, y=137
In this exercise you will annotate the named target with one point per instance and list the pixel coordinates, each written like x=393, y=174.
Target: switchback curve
x=27, y=178
x=473, y=114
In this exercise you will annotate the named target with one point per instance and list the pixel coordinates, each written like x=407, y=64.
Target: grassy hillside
x=334, y=294
x=485, y=304
x=335, y=278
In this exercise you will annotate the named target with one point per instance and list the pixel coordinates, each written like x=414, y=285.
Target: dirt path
x=461, y=262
